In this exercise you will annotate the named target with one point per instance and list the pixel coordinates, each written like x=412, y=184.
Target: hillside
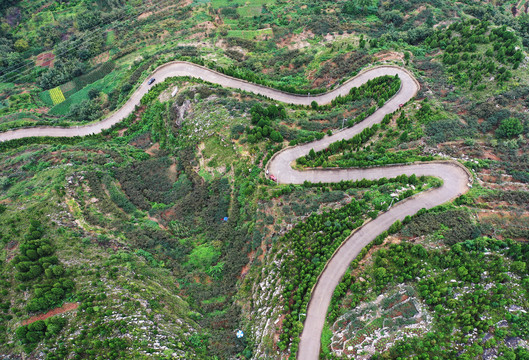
x=164, y=235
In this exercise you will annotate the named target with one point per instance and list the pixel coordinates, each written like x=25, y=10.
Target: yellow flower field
x=56, y=95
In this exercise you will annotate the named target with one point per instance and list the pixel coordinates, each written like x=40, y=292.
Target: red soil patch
x=295, y=41
x=402, y=298
x=398, y=313
x=172, y=172
x=139, y=114
x=145, y=15
x=206, y=281
x=244, y=271
x=246, y=267
x=44, y=7
x=65, y=308
x=162, y=226
x=11, y=248
x=389, y=55
x=101, y=58
x=521, y=9
x=45, y=60
x=320, y=81
x=488, y=154
x=153, y=149
x=41, y=110
x=168, y=214
x=263, y=249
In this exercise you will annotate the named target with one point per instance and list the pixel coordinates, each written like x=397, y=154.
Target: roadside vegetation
x=162, y=236
x=474, y=290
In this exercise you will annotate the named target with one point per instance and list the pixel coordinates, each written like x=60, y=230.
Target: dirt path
x=65, y=308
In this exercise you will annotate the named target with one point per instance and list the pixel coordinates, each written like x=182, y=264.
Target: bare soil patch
x=46, y=59
x=145, y=15
x=11, y=250
x=172, y=172
x=61, y=310
x=488, y=154
x=162, y=226
x=153, y=149
x=101, y=58
x=246, y=267
x=389, y=55
x=296, y=41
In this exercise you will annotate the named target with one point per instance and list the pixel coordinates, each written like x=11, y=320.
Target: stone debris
x=180, y=111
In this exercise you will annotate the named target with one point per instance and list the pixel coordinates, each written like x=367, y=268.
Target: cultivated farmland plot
x=57, y=96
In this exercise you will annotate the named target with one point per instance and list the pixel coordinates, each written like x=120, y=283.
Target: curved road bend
x=455, y=177
x=180, y=68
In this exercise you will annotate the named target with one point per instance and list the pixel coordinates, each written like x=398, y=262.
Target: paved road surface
x=180, y=68
x=455, y=182
x=454, y=176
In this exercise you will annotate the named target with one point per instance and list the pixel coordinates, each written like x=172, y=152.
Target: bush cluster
x=30, y=335
x=465, y=62
x=313, y=243
x=37, y=261
x=263, y=120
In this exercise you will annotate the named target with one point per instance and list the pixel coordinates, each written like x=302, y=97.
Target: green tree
x=509, y=128
x=86, y=110
x=21, y=45
x=93, y=93
x=462, y=271
x=380, y=273
x=276, y=136
x=518, y=266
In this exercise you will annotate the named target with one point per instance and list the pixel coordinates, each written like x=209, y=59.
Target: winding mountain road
x=455, y=177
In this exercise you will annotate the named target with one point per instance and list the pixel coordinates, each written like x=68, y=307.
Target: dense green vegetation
x=467, y=57
x=167, y=222
x=30, y=335
x=348, y=153
x=446, y=270
x=316, y=239
x=379, y=89
x=443, y=277
x=38, y=268
x=105, y=36
x=263, y=119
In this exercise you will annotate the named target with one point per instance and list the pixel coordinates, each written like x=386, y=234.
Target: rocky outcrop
x=180, y=111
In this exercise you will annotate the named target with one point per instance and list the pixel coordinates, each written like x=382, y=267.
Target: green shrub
x=509, y=128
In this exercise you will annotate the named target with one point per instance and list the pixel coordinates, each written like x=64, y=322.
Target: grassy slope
x=38, y=190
